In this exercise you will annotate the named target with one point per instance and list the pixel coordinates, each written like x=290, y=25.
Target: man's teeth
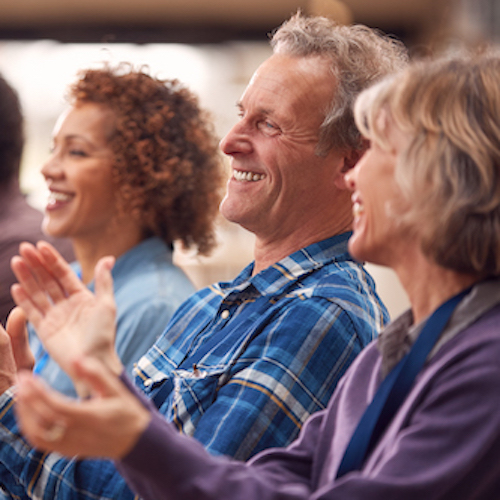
x=247, y=176
x=358, y=209
x=56, y=196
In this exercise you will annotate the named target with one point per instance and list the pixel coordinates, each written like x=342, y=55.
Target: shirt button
x=148, y=382
x=224, y=314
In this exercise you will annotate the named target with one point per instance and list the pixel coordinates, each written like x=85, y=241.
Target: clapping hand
x=106, y=425
x=70, y=320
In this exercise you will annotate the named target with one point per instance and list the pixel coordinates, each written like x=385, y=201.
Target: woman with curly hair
x=134, y=167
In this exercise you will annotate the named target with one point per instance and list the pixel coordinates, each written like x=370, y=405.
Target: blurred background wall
x=211, y=46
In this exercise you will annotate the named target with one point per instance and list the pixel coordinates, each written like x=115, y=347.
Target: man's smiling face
x=275, y=171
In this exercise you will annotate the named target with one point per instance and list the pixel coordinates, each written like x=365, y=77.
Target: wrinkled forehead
x=306, y=84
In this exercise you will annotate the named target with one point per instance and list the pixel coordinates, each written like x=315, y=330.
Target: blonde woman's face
x=78, y=173
x=377, y=235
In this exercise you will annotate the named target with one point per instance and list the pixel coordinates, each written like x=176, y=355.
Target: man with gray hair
x=242, y=365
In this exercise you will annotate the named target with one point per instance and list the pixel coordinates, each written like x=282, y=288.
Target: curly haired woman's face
x=82, y=199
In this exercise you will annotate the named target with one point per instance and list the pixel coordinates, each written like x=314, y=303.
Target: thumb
x=97, y=377
x=18, y=333
x=103, y=278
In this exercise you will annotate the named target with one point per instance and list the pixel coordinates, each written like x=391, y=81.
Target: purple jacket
x=444, y=442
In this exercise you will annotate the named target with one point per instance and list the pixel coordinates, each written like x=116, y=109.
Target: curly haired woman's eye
x=77, y=152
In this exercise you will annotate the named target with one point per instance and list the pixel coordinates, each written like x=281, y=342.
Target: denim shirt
x=244, y=364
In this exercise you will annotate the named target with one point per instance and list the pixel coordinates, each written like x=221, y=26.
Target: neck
x=429, y=285
x=89, y=251
x=269, y=250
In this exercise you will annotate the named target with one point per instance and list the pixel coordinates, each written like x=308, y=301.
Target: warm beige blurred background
x=213, y=47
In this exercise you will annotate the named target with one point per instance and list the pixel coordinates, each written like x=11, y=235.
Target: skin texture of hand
x=8, y=367
x=15, y=353
x=70, y=320
x=108, y=424
x=16, y=328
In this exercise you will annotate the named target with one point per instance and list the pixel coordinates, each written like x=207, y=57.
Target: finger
x=59, y=268
x=113, y=408
x=105, y=296
x=36, y=263
x=7, y=364
x=23, y=301
x=96, y=375
x=38, y=409
x=31, y=287
x=16, y=328
x=101, y=426
x=35, y=394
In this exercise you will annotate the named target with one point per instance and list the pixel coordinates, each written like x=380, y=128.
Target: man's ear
x=351, y=157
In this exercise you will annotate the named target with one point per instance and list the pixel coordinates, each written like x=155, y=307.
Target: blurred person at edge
x=242, y=365
x=427, y=204
x=19, y=221
x=134, y=166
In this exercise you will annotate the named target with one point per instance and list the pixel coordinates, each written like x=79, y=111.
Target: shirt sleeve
x=288, y=371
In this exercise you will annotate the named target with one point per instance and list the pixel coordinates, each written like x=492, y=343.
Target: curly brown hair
x=167, y=164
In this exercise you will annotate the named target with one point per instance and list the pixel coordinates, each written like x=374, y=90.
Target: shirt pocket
x=193, y=392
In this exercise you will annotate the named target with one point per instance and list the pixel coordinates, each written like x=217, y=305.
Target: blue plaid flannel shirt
x=240, y=367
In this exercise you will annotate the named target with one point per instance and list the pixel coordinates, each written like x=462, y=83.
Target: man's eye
x=269, y=127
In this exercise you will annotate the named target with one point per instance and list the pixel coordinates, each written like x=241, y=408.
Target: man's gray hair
x=359, y=57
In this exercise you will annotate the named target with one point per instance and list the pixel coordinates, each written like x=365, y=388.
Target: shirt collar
x=278, y=276
x=148, y=249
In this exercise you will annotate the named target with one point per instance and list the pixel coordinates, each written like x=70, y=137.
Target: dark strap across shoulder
x=394, y=389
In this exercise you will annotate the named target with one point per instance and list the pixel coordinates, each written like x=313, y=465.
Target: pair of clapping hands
x=77, y=328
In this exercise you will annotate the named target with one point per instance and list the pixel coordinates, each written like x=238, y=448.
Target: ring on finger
x=55, y=433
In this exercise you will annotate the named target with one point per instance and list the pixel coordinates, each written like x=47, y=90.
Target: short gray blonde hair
x=359, y=56
x=449, y=170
